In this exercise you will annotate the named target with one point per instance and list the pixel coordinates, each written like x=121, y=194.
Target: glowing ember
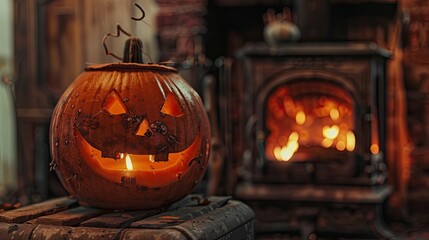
x=374, y=149
x=351, y=141
x=285, y=153
x=294, y=136
x=334, y=114
x=330, y=132
x=341, y=146
x=326, y=142
x=288, y=151
x=129, y=163
x=300, y=118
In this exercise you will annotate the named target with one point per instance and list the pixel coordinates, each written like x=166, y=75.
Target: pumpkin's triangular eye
x=114, y=104
x=172, y=106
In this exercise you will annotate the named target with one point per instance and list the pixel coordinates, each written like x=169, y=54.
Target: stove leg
x=307, y=222
x=378, y=226
x=306, y=229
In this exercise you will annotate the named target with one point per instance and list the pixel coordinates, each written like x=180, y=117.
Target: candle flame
x=129, y=163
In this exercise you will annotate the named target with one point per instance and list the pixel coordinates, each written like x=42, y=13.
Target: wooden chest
x=190, y=218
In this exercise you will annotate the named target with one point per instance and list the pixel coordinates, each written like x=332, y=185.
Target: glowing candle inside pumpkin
x=129, y=163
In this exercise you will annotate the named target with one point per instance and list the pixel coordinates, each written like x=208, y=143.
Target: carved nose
x=147, y=130
x=144, y=129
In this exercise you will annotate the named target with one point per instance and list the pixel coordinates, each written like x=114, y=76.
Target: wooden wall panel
x=416, y=81
x=62, y=58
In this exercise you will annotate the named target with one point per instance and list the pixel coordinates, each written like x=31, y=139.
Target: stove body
x=314, y=118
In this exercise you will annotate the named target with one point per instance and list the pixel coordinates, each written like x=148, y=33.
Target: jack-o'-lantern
x=130, y=135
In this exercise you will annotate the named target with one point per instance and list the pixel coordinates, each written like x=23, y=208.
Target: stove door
x=309, y=129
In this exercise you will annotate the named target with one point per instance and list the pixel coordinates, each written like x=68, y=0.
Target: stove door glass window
x=309, y=120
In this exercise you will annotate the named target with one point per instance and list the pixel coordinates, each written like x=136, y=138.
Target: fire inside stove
x=309, y=120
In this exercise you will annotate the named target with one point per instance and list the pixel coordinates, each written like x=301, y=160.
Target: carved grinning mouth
x=146, y=153
x=144, y=169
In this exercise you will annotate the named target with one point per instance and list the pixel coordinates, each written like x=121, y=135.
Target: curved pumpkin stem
x=142, y=16
x=133, y=46
x=133, y=51
x=143, y=13
x=119, y=29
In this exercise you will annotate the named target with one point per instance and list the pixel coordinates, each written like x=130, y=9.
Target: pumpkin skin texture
x=130, y=136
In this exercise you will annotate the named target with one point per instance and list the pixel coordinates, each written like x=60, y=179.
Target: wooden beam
x=24, y=214
x=71, y=217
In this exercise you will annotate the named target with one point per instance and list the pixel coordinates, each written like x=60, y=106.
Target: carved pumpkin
x=130, y=136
